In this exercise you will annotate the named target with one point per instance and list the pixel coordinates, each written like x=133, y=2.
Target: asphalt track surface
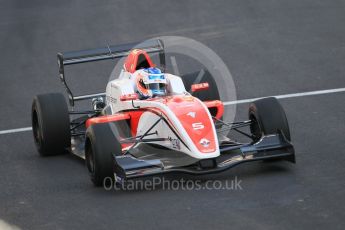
x=270, y=47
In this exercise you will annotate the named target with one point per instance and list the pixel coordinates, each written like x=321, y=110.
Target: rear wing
x=100, y=54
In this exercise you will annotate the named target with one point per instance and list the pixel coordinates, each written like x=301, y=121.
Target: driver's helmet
x=151, y=82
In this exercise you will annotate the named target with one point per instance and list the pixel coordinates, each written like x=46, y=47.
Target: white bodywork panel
x=175, y=85
x=126, y=84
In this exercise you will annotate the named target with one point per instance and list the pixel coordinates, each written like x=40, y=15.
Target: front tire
x=101, y=147
x=50, y=124
x=268, y=117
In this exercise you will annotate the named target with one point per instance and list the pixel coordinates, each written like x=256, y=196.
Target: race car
x=148, y=123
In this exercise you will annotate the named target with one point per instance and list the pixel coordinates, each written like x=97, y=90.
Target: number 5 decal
x=198, y=125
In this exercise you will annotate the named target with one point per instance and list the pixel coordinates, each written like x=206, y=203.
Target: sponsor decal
x=191, y=114
x=198, y=125
x=204, y=142
x=175, y=143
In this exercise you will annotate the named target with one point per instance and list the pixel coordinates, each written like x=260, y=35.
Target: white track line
x=318, y=92
x=311, y=93
x=15, y=130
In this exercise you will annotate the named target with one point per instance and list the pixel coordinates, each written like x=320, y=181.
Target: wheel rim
x=255, y=128
x=90, y=160
x=36, y=130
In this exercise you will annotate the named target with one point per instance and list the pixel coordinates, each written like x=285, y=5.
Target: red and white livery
x=136, y=130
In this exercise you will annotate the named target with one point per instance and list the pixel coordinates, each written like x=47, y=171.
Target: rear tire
x=101, y=147
x=268, y=117
x=50, y=124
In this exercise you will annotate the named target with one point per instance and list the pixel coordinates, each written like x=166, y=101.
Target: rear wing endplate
x=100, y=54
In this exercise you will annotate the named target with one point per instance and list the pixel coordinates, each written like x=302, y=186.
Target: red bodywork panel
x=189, y=111
x=195, y=120
x=216, y=104
x=131, y=61
x=199, y=87
x=134, y=116
x=107, y=118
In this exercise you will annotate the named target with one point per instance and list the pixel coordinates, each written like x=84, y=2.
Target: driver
x=150, y=83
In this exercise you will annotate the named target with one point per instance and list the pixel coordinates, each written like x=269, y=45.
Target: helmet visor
x=157, y=89
x=156, y=86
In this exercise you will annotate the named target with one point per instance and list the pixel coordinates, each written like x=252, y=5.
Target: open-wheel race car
x=147, y=123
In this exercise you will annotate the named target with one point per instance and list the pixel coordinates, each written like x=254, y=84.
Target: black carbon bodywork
x=268, y=147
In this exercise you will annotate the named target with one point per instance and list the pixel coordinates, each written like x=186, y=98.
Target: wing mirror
x=199, y=87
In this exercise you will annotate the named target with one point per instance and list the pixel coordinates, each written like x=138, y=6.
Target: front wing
x=268, y=147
